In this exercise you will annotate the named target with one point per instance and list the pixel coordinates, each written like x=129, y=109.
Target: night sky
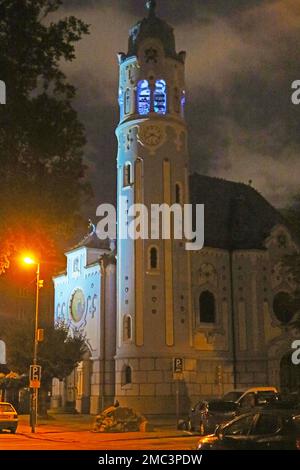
x=242, y=57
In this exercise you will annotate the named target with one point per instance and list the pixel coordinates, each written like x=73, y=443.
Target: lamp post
x=34, y=390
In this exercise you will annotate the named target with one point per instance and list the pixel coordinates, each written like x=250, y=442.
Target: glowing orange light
x=28, y=260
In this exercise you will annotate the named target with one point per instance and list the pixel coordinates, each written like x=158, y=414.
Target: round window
x=283, y=307
x=77, y=305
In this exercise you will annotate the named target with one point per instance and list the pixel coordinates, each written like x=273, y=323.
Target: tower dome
x=153, y=27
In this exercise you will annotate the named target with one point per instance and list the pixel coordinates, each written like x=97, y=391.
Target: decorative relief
x=94, y=306
x=151, y=136
x=77, y=305
x=280, y=277
x=207, y=275
x=180, y=140
x=128, y=139
x=151, y=55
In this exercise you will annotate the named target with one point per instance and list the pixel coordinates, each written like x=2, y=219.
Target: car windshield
x=225, y=406
x=6, y=408
x=265, y=397
x=232, y=396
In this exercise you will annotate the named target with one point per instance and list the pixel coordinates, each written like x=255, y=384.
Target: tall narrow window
x=121, y=99
x=160, y=97
x=126, y=376
x=153, y=258
x=178, y=193
x=144, y=97
x=176, y=100
x=127, y=101
x=127, y=176
x=127, y=328
x=183, y=101
x=207, y=307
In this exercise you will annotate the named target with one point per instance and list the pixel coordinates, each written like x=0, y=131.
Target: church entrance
x=289, y=375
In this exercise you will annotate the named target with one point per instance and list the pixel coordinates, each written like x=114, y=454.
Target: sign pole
x=177, y=404
x=178, y=367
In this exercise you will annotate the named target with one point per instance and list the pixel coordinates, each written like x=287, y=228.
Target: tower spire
x=151, y=5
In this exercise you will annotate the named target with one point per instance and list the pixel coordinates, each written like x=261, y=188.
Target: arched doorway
x=289, y=375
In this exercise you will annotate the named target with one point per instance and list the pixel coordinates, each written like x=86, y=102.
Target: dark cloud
x=242, y=58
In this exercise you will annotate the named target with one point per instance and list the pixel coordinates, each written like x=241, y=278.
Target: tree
x=41, y=139
x=59, y=353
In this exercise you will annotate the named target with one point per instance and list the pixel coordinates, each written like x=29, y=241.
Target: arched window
x=178, y=193
x=284, y=307
x=207, y=307
x=127, y=328
x=127, y=175
x=126, y=376
x=144, y=97
x=153, y=258
x=160, y=97
x=121, y=99
x=127, y=101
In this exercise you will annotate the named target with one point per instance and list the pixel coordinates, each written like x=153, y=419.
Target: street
x=73, y=435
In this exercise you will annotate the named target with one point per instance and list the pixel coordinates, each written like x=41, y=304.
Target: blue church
x=221, y=311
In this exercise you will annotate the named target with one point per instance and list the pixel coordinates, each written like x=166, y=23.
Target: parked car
x=206, y=415
x=263, y=430
x=254, y=397
x=8, y=417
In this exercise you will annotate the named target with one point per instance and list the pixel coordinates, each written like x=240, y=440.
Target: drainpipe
x=102, y=329
x=233, y=331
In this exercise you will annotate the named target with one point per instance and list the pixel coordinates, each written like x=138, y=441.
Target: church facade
x=221, y=314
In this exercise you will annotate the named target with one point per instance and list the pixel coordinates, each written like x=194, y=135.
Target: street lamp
x=34, y=394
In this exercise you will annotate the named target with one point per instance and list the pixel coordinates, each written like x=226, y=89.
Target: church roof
x=236, y=215
x=92, y=241
x=153, y=27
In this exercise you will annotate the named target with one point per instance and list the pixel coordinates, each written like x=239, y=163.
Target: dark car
x=264, y=430
x=206, y=415
x=254, y=397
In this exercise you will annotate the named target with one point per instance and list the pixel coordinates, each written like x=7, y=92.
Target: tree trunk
x=43, y=403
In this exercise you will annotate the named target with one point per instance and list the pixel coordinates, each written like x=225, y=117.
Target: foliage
x=13, y=381
x=41, y=139
x=58, y=354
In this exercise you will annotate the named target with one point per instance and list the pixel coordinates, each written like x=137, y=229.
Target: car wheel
x=202, y=429
x=190, y=426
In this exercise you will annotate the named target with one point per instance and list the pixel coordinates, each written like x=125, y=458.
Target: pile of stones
x=120, y=419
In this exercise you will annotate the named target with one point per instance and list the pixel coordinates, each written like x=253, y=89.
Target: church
x=164, y=324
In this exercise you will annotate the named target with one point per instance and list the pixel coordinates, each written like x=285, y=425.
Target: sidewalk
x=65, y=423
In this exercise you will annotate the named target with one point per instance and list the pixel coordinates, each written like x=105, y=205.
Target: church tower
x=153, y=275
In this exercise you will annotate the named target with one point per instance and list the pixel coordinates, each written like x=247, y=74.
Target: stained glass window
x=144, y=97
x=160, y=97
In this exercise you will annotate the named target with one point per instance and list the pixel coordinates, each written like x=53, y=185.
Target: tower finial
x=151, y=5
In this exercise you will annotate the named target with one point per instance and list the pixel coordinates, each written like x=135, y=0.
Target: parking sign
x=178, y=365
x=35, y=374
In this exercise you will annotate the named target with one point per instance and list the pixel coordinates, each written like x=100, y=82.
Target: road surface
x=72, y=437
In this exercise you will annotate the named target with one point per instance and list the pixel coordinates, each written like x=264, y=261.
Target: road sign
x=35, y=376
x=178, y=365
